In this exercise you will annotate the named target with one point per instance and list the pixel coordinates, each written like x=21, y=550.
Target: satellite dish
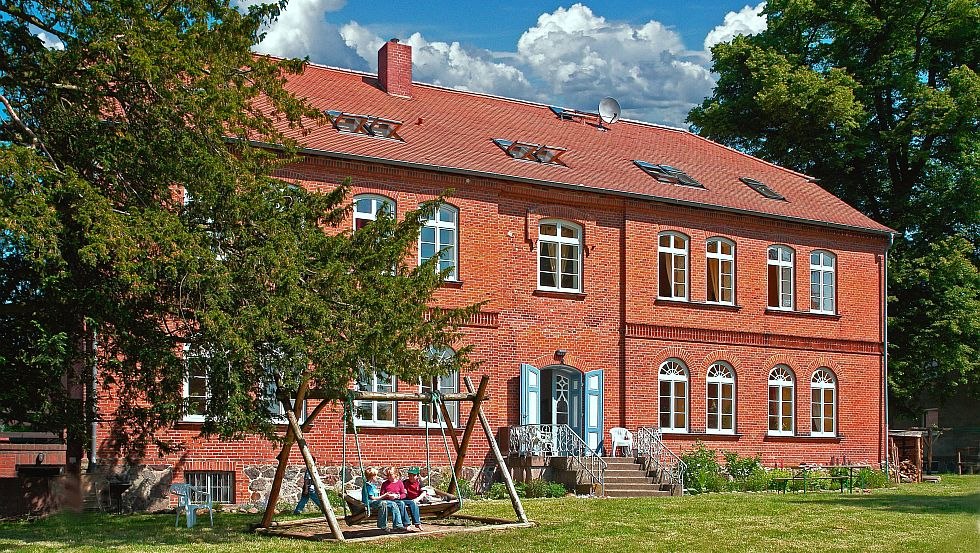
x=609, y=111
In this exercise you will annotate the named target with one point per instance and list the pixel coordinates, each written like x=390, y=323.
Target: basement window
x=762, y=188
x=529, y=151
x=367, y=125
x=667, y=174
x=221, y=485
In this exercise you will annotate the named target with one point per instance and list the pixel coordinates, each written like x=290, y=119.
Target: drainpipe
x=93, y=402
x=884, y=331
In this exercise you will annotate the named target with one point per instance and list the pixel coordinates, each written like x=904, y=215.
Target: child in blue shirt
x=382, y=503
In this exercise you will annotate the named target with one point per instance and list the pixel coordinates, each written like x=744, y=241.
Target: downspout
x=93, y=402
x=884, y=332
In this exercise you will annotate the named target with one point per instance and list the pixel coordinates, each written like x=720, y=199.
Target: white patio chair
x=621, y=437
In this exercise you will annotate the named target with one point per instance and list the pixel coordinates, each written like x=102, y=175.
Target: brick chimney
x=395, y=68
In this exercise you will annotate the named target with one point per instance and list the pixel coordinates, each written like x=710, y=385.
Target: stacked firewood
x=909, y=471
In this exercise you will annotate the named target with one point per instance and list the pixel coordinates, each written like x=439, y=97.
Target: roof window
x=762, y=188
x=365, y=124
x=667, y=174
x=531, y=152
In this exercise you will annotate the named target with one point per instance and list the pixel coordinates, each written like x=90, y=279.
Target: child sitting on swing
x=385, y=504
x=394, y=488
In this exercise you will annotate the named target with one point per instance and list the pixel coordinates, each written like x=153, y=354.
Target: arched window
x=367, y=207
x=440, y=237
x=720, y=256
x=673, y=396
x=823, y=266
x=672, y=255
x=559, y=256
x=823, y=406
x=445, y=384
x=721, y=398
x=781, y=402
x=780, y=265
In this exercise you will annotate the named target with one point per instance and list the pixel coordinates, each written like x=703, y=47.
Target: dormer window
x=529, y=151
x=667, y=174
x=367, y=125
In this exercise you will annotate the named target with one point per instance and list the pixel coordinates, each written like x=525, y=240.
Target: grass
x=911, y=517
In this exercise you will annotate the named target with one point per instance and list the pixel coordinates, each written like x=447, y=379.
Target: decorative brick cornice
x=734, y=337
x=483, y=319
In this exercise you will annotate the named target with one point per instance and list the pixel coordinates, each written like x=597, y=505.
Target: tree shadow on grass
x=119, y=531
x=906, y=503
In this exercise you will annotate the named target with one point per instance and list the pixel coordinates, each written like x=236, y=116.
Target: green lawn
x=920, y=517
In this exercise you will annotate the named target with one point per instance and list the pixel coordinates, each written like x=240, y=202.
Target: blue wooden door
x=593, y=409
x=530, y=394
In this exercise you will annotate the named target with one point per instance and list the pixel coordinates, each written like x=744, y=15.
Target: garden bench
x=781, y=484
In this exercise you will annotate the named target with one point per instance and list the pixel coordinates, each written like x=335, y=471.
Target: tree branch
x=35, y=141
x=18, y=13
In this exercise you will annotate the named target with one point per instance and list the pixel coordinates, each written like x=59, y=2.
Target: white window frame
x=451, y=406
x=559, y=241
x=435, y=222
x=823, y=272
x=719, y=374
x=821, y=381
x=277, y=410
x=781, y=377
x=212, y=483
x=781, y=264
x=673, y=371
x=675, y=253
x=186, y=395
x=377, y=202
x=722, y=259
x=374, y=385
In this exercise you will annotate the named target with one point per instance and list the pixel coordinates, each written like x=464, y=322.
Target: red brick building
x=635, y=276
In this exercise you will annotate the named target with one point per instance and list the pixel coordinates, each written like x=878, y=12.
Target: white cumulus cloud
x=446, y=64
x=747, y=21
x=50, y=41
x=571, y=57
x=303, y=30
x=582, y=57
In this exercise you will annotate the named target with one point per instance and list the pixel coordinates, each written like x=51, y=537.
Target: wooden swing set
x=447, y=503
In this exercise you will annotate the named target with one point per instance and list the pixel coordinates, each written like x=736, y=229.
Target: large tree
x=137, y=217
x=881, y=102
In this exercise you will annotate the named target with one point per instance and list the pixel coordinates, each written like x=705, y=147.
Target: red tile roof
x=453, y=130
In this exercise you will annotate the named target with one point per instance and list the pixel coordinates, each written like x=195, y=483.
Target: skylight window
x=365, y=124
x=762, y=188
x=531, y=152
x=667, y=174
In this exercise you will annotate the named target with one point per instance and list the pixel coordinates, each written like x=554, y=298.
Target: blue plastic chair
x=190, y=499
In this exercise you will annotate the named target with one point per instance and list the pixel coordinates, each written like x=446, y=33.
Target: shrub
x=870, y=478
x=498, y=490
x=703, y=471
x=538, y=488
x=465, y=488
x=741, y=468
x=757, y=481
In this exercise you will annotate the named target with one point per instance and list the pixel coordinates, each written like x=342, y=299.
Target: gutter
x=884, y=333
x=569, y=186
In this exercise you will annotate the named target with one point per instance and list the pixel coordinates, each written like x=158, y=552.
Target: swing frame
x=475, y=395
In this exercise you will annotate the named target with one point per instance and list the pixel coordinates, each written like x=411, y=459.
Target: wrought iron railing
x=559, y=440
x=658, y=458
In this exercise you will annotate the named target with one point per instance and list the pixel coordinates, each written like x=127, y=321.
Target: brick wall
x=616, y=323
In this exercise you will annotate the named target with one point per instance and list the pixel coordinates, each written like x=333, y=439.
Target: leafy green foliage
x=497, y=490
x=703, y=470
x=539, y=488
x=251, y=280
x=881, y=102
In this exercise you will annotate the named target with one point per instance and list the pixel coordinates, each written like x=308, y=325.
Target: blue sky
x=651, y=56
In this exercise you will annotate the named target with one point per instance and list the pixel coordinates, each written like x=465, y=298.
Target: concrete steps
x=626, y=478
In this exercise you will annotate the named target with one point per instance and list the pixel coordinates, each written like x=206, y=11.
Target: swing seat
x=441, y=506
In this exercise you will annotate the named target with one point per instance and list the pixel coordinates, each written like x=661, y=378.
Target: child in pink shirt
x=394, y=489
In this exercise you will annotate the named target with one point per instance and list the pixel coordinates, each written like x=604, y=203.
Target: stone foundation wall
x=149, y=488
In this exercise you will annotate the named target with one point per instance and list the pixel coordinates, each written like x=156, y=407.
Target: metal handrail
x=558, y=440
x=657, y=457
